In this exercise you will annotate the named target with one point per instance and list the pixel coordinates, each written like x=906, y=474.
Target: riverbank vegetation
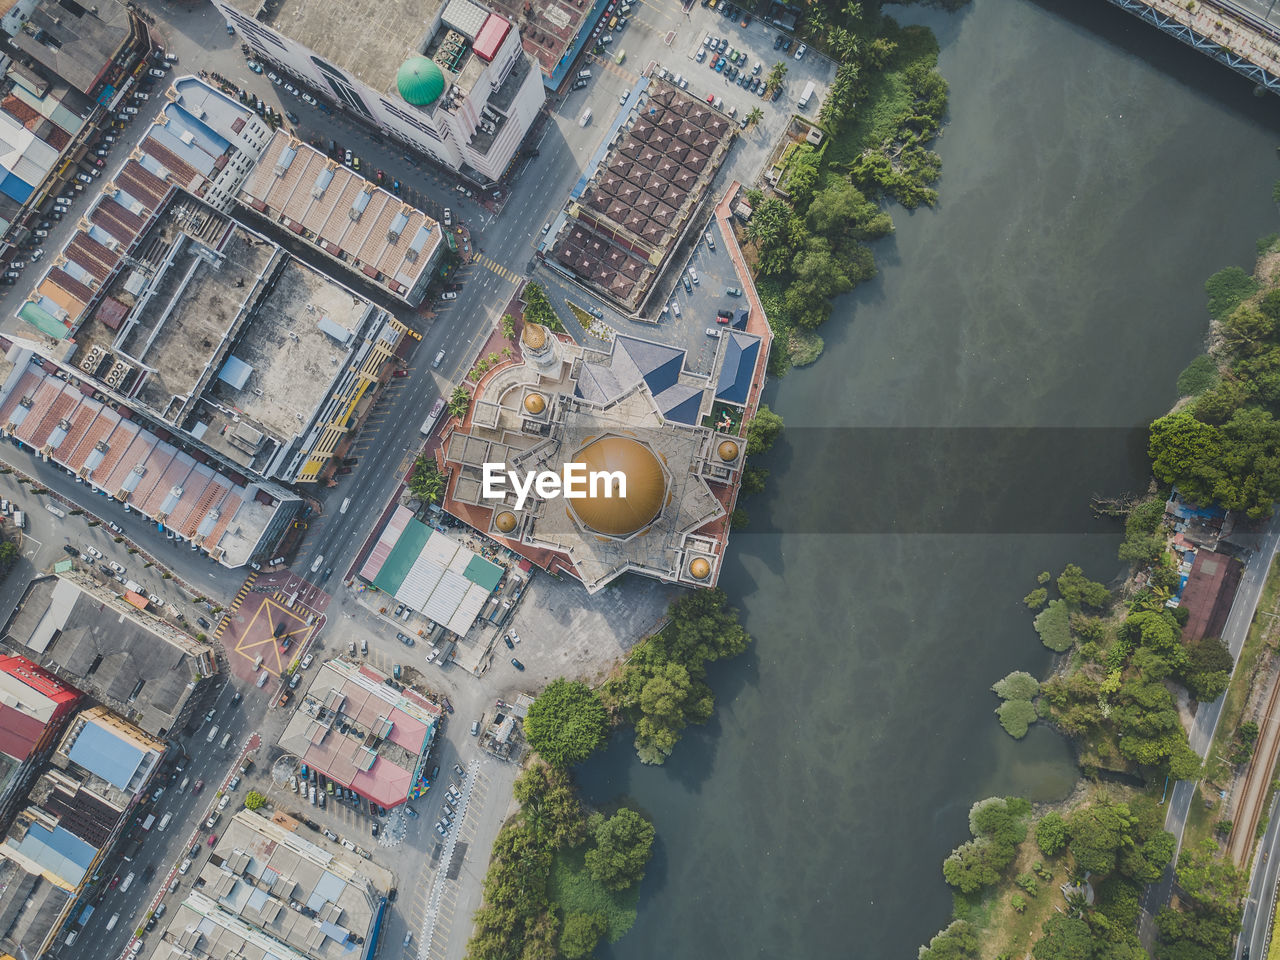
x=885, y=106
x=560, y=879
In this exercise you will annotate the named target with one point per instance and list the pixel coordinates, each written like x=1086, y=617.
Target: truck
x=804, y=97
x=134, y=586
x=19, y=519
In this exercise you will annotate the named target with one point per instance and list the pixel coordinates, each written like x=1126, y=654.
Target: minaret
x=538, y=347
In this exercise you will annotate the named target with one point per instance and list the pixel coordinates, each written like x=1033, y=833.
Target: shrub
x=1018, y=685
x=1051, y=833
x=1016, y=716
x=1053, y=623
x=1197, y=376
x=1036, y=598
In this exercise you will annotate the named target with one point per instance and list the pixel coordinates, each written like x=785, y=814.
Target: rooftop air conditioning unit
x=117, y=373
x=90, y=363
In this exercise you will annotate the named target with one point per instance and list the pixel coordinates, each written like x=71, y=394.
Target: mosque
x=635, y=408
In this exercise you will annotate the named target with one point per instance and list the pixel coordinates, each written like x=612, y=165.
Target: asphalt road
x=1206, y=721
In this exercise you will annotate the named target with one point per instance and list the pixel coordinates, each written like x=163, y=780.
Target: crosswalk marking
x=499, y=269
x=616, y=69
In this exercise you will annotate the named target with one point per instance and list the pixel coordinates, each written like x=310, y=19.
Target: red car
x=400, y=373
x=213, y=838
x=711, y=98
x=114, y=882
x=198, y=787
x=722, y=319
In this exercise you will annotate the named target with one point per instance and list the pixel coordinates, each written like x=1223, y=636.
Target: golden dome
x=699, y=569
x=728, y=451
x=620, y=516
x=505, y=521
x=535, y=403
x=533, y=336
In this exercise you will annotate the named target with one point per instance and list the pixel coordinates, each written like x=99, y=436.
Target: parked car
x=405, y=639
x=156, y=73
x=449, y=295
x=507, y=640
x=306, y=661
x=800, y=51
x=448, y=217
x=517, y=664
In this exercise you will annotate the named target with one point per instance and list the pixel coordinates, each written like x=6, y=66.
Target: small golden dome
x=728, y=451
x=619, y=516
x=505, y=521
x=699, y=569
x=534, y=336
x=535, y=403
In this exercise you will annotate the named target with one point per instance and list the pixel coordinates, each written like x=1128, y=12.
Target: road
x=1206, y=721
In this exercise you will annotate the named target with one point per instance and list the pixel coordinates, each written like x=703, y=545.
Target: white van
x=429, y=424
x=128, y=881
x=213, y=734
x=19, y=519
x=164, y=821
x=346, y=505
x=435, y=364
x=585, y=118
x=317, y=564
x=804, y=97
x=263, y=677
x=71, y=937
x=226, y=740
x=111, y=924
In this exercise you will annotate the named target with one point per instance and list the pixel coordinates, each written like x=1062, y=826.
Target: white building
x=447, y=77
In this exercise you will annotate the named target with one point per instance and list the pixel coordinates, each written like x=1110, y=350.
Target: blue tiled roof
x=59, y=851
x=680, y=403
x=740, y=355
x=658, y=364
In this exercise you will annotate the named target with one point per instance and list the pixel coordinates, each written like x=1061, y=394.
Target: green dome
x=420, y=81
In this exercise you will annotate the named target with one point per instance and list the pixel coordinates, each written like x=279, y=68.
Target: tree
x=971, y=867
x=567, y=723
x=773, y=229
x=623, y=846
x=1226, y=289
x=776, y=73
x=460, y=401
x=1016, y=716
x=1036, y=598
x=426, y=483
x=253, y=800
x=1098, y=831
x=764, y=428
x=956, y=942
x=1079, y=591
x=754, y=116
x=1065, y=938
x=8, y=554
x=508, y=325
x=549, y=806
x=1208, y=668
x=1051, y=833
x=754, y=479
x=581, y=933
x=538, y=307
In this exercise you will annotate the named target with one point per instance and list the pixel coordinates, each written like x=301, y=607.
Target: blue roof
x=235, y=372
x=658, y=364
x=59, y=851
x=106, y=755
x=15, y=187
x=740, y=355
x=680, y=403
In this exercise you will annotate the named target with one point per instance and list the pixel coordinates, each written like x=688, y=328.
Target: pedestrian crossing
x=245, y=588
x=499, y=269
x=616, y=69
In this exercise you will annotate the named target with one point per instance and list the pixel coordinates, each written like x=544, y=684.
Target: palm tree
x=843, y=44
x=777, y=73
x=853, y=11
x=817, y=20
x=755, y=116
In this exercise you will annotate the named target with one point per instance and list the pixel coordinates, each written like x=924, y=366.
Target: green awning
x=43, y=320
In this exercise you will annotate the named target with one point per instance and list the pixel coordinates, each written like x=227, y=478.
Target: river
x=996, y=374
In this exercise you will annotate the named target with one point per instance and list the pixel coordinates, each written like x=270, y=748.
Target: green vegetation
x=1197, y=376
x=1211, y=896
x=426, y=483
x=459, y=401
x=1120, y=843
x=661, y=689
x=1017, y=712
x=1053, y=624
x=567, y=723
x=1220, y=448
x=541, y=896
x=1036, y=598
x=765, y=428
x=253, y=800
x=538, y=309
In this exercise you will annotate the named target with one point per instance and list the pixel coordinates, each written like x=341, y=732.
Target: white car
x=36, y=255
x=693, y=275
x=800, y=51
x=308, y=98
x=186, y=865
x=95, y=553
x=306, y=661
x=156, y=600
x=713, y=332
x=515, y=636
x=222, y=804
x=431, y=657
x=115, y=566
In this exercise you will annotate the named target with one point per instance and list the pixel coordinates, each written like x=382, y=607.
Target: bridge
x=1243, y=34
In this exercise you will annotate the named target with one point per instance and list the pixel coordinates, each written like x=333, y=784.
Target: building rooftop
x=77, y=42
x=225, y=515
x=430, y=572
x=267, y=892
x=633, y=203
x=139, y=666
x=367, y=39
x=30, y=909
x=367, y=228
x=364, y=734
